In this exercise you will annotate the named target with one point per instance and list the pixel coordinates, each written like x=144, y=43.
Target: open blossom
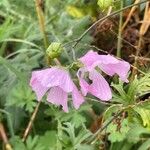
x=57, y=83
x=106, y=63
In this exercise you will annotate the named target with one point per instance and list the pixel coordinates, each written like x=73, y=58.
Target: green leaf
x=86, y=147
x=145, y=116
x=135, y=132
x=104, y=4
x=145, y=145
x=145, y=104
x=144, y=85
x=49, y=139
x=14, y=70
x=112, y=109
x=116, y=134
x=17, y=116
x=122, y=95
x=21, y=96
x=17, y=143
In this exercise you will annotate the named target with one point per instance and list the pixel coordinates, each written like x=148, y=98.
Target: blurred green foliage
x=22, y=50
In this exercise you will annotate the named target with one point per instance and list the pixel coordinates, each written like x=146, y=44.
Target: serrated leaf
x=115, y=134
x=21, y=96
x=49, y=139
x=145, y=116
x=33, y=144
x=17, y=143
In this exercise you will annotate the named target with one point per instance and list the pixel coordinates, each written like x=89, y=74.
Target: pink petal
x=107, y=59
x=52, y=76
x=121, y=68
x=48, y=77
x=57, y=96
x=39, y=89
x=99, y=88
x=66, y=82
x=83, y=84
x=107, y=63
x=90, y=60
x=77, y=97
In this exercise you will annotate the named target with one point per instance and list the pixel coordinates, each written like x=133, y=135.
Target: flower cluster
x=57, y=83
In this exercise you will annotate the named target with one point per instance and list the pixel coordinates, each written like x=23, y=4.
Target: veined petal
x=53, y=77
x=48, y=77
x=39, y=89
x=121, y=69
x=99, y=88
x=107, y=59
x=57, y=96
x=90, y=60
x=66, y=82
x=77, y=97
x=107, y=63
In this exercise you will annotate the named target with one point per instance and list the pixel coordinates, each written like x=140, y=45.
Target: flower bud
x=54, y=50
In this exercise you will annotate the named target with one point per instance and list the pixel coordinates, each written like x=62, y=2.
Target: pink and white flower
x=57, y=83
x=106, y=63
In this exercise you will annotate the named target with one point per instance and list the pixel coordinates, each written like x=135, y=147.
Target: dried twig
x=142, y=31
x=130, y=14
x=31, y=122
x=38, y=4
x=102, y=19
x=4, y=137
x=140, y=58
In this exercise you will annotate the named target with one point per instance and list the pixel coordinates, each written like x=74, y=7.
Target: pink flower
x=106, y=63
x=57, y=82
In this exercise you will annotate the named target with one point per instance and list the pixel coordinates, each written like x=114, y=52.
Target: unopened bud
x=54, y=50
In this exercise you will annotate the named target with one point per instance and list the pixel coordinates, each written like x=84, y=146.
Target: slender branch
x=140, y=58
x=102, y=19
x=106, y=124
x=136, y=48
x=104, y=127
x=130, y=14
x=31, y=122
x=119, y=44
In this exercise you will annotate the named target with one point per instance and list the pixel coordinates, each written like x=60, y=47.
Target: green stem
x=119, y=44
x=41, y=19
